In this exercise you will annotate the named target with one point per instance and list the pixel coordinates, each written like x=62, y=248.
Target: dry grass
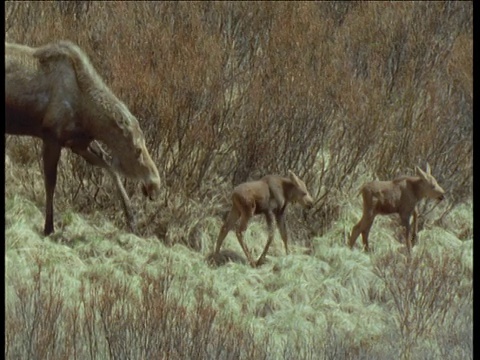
x=125, y=296
x=340, y=93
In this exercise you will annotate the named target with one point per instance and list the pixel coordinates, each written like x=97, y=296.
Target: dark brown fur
x=269, y=196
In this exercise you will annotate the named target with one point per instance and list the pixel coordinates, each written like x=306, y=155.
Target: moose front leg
x=97, y=157
x=51, y=155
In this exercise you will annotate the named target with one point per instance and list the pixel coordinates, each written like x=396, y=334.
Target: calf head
x=299, y=192
x=430, y=187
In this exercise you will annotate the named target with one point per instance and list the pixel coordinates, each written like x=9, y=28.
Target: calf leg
x=51, y=155
x=362, y=227
x=240, y=230
x=271, y=230
x=227, y=226
x=406, y=223
x=282, y=226
x=365, y=233
x=366, y=226
x=354, y=234
x=415, y=227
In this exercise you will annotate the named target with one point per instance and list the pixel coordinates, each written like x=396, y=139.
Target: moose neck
x=111, y=122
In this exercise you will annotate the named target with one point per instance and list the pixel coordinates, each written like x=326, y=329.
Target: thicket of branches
x=109, y=320
x=230, y=91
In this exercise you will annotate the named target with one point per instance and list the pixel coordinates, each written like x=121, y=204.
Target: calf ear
x=429, y=171
x=293, y=177
x=422, y=173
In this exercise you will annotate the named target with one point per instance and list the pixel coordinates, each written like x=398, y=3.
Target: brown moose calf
x=398, y=196
x=269, y=196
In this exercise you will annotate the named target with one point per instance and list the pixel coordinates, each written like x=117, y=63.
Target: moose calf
x=269, y=196
x=398, y=196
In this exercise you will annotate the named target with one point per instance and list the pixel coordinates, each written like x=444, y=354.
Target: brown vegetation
x=427, y=292
x=109, y=319
x=53, y=93
x=268, y=196
x=225, y=90
x=399, y=196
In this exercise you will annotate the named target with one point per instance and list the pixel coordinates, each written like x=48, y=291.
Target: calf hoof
x=403, y=250
x=368, y=249
x=261, y=261
x=414, y=241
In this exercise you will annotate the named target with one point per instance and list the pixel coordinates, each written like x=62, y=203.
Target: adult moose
x=53, y=92
x=269, y=196
x=398, y=196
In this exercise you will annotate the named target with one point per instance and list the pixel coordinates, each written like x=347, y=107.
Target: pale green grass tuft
x=438, y=239
x=460, y=221
x=332, y=292
x=467, y=254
